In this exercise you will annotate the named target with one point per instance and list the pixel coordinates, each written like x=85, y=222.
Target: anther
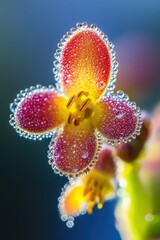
x=100, y=205
x=81, y=106
x=70, y=118
x=82, y=93
x=90, y=207
x=70, y=102
x=76, y=121
x=85, y=104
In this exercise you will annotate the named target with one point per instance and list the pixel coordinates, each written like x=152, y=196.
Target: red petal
x=74, y=151
x=38, y=112
x=119, y=119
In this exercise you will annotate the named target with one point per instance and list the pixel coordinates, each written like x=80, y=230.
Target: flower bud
x=105, y=162
x=130, y=151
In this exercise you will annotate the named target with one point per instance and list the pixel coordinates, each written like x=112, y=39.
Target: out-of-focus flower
x=85, y=69
x=130, y=151
x=84, y=193
x=138, y=211
x=139, y=60
x=155, y=130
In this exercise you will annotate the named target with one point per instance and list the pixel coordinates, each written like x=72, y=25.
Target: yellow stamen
x=90, y=207
x=85, y=104
x=87, y=190
x=70, y=102
x=70, y=118
x=98, y=187
x=100, y=205
x=82, y=93
x=94, y=195
x=81, y=108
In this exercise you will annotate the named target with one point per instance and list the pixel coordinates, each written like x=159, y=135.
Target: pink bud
x=105, y=162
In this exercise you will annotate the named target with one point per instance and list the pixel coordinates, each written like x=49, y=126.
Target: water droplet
x=120, y=115
x=73, y=30
x=64, y=218
x=70, y=224
x=13, y=107
x=120, y=94
x=56, y=63
x=56, y=156
x=85, y=25
x=111, y=45
x=93, y=26
x=85, y=154
x=79, y=25
x=100, y=85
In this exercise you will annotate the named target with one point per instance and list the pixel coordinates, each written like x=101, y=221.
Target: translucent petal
x=119, y=120
x=72, y=202
x=83, y=194
x=37, y=112
x=85, y=61
x=74, y=150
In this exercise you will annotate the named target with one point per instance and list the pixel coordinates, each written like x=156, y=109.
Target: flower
x=75, y=114
x=130, y=151
x=85, y=192
x=138, y=210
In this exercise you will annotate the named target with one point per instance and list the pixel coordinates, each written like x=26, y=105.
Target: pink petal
x=119, y=119
x=37, y=111
x=74, y=151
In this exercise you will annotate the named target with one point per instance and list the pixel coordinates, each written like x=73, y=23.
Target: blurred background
x=29, y=33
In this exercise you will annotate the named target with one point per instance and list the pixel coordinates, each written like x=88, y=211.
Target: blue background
x=29, y=33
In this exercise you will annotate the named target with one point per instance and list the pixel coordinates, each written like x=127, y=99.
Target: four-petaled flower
x=85, y=69
x=85, y=192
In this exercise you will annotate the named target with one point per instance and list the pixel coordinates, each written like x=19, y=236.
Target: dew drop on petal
x=64, y=218
x=85, y=154
x=70, y=224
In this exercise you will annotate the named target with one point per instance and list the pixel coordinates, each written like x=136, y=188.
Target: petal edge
x=72, y=202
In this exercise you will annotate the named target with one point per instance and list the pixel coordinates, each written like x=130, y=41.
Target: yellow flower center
x=80, y=106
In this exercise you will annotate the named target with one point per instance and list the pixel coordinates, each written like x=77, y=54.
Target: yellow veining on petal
x=85, y=63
